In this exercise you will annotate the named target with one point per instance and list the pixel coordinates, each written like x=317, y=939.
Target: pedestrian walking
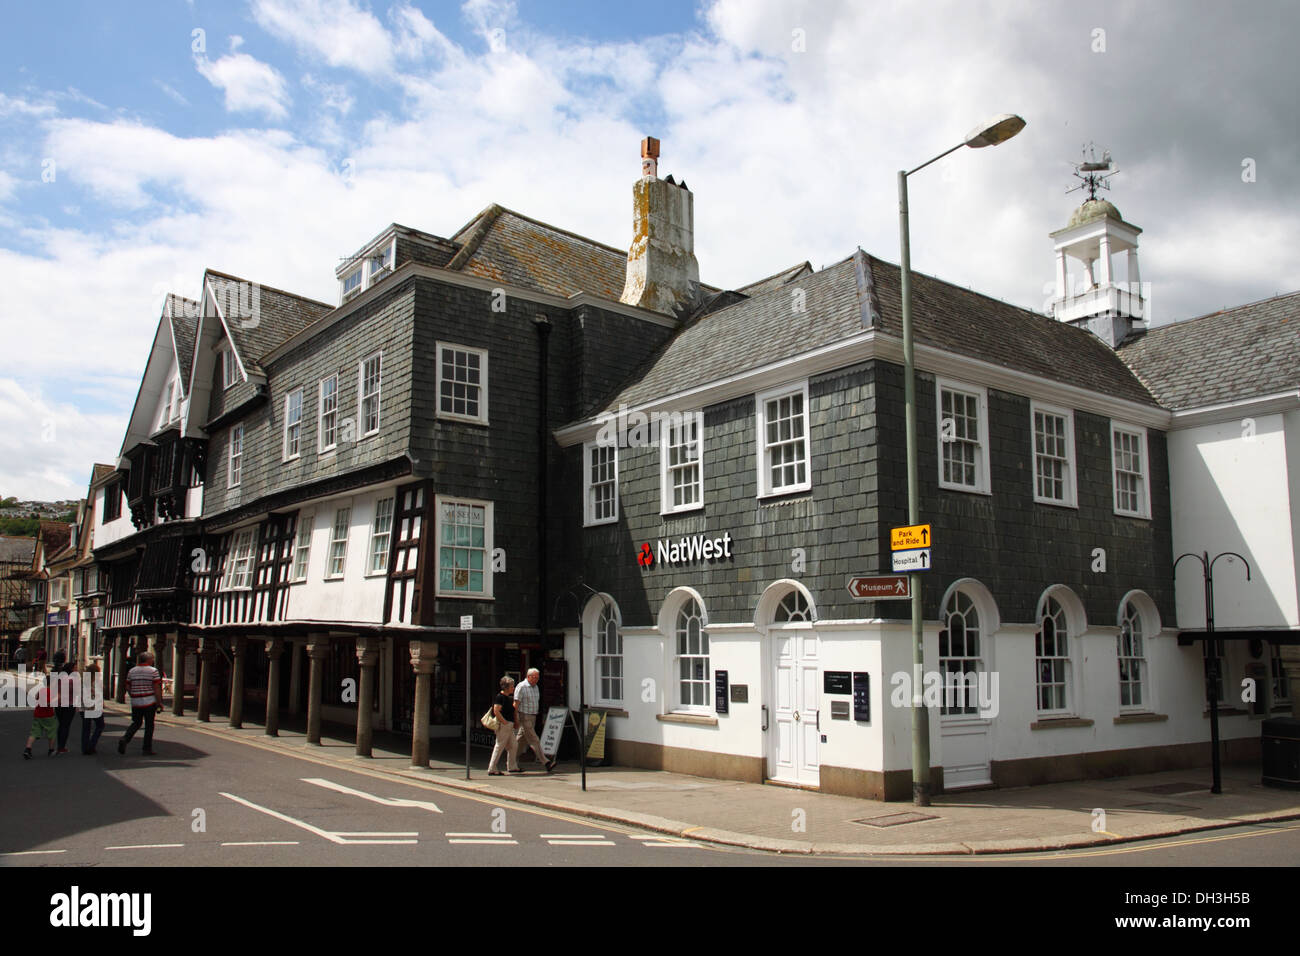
x=91, y=703
x=527, y=704
x=44, y=723
x=144, y=684
x=503, y=708
x=62, y=696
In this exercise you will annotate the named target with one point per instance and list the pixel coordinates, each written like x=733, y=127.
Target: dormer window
x=352, y=283
x=229, y=371
x=381, y=264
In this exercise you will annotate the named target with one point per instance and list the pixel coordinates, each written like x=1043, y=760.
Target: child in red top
x=44, y=723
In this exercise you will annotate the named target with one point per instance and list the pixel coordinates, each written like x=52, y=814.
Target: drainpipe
x=543, y=325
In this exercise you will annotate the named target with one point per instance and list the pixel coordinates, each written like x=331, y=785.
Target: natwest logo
x=685, y=550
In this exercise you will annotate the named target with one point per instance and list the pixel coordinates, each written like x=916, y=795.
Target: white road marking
x=652, y=839
x=482, y=839
x=147, y=846
x=576, y=839
x=385, y=801
x=264, y=843
x=32, y=852
x=324, y=834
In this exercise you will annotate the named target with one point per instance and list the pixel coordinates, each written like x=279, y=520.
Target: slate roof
x=55, y=536
x=16, y=550
x=185, y=326
x=763, y=329
x=502, y=244
x=100, y=473
x=775, y=281
x=280, y=315
x=1225, y=356
x=507, y=246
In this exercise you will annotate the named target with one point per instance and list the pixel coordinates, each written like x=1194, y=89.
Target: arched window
x=1052, y=658
x=692, y=656
x=1132, y=658
x=793, y=607
x=609, y=657
x=959, y=655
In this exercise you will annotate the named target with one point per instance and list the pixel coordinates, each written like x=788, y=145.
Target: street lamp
x=997, y=130
x=1212, y=662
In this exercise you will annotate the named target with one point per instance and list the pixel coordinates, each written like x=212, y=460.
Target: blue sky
x=134, y=153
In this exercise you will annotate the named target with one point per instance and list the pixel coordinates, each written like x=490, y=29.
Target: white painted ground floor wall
x=1012, y=728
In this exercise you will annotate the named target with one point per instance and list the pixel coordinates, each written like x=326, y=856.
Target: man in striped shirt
x=527, y=704
x=144, y=684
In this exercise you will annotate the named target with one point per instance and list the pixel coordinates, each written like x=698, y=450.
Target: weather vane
x=1092, y=173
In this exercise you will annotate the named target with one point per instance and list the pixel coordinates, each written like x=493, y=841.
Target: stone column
x=318, y=647
x=207, y=656
x=178, y=675
x=295, y=678
x=424, y=654
x=238, y=646
x=367, y=657
x=274, y=648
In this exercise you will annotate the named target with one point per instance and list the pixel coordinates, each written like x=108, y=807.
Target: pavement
x=784, y=820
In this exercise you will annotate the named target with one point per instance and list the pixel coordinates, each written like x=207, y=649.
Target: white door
x=794, y=734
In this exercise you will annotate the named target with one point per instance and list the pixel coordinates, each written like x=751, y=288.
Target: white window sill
x=609, y=709
x=1055, y=504
x=463, y=419
x=328, y=451
x=463, y=595
x=334, y=577
x=286, y=461
x=944, y=486
x=784, y=492
x=602, y=521
x=1132, y=514
x=683, y=510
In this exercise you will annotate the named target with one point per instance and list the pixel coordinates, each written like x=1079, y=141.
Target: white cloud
x=249, y=84
x=172, y=93
x=47, y=446
x=16, y=106
x=6, y=185
x=333, y=96
x=341, y=32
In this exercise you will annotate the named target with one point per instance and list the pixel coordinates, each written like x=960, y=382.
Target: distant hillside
x=27, y=527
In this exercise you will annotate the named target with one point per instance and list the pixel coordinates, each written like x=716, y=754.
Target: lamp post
x=1212, y=663
x=997, y=130
x=580, y=588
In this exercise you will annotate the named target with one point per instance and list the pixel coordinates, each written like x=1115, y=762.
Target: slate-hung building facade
x=311, y=493
x=1041, y=456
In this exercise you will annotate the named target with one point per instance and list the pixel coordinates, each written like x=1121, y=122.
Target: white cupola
x=1092, y=295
